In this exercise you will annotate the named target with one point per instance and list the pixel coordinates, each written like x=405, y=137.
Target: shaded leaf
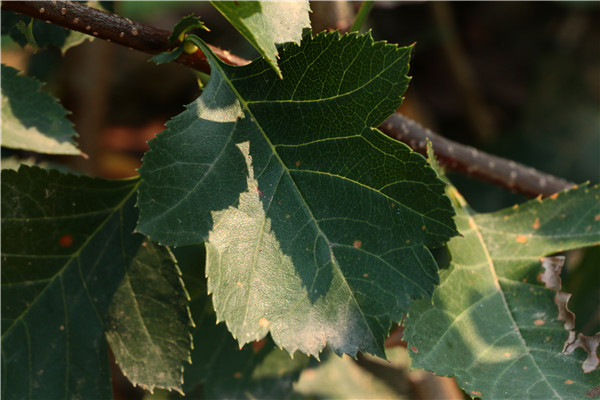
x=27, y=31
x=492, y=325
x=149, y=319
x=167, y=56
x=67, y=244
x=184, y=25
x=33, y=120
x=317, y=224
x=267, y=24
x=221, y=370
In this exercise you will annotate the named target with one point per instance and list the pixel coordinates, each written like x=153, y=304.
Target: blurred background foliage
x=517, y=79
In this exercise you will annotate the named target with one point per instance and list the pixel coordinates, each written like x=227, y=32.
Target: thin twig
x=113, y=28
x=454, y=156
x=468, y=160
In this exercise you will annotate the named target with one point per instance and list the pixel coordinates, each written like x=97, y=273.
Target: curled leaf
x=551, y=278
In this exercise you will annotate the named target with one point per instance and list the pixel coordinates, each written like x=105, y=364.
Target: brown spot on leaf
x=521, y=239
x=536, y=223
x=298, y=163
x=263, y=322
x=357, y=244
x=476, y=393
x=597, y=217
x=554, y=196
x=525, y=367
x=237, y=375
x=539, y=322
x=507, y=354
x=569, y=382
x=414, y=349
x=365, y=275
x=65, y=240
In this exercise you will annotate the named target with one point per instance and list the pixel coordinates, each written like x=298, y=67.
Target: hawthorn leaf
x=67, y=244
x=33, y=120
x=148, y=323
x=492, y=324
x=267, y=25
x=186, y=24
x=317, y=225
x=220, y=369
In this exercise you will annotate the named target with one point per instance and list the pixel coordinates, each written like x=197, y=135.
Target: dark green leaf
x=148, y=323
x=317, y=224
x=227, y=372
x=31, y=119
x=186, y=24
x=167, y=56
x=492, y=324
x=267, y=24
x=66, y=244
x=27, y=31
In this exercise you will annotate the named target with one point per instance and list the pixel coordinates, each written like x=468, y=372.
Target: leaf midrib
x=217, y=64
x=475, y=227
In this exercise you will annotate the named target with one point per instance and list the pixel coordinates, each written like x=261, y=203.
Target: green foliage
x=267, y=24
x=309, y=227
x=68, y=249
x=237, y=170
x=35, y=122
x=184, y=25
x=492, y=324
x=148, y=321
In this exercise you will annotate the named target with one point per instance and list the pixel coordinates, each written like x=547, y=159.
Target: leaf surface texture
x=317, y=224
x=67, y=245
x=492, y=324
x=267, y=25
x=33, y=120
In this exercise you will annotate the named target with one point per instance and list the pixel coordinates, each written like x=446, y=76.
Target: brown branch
x=454, y=156
x=470, y=161
x=113, y=28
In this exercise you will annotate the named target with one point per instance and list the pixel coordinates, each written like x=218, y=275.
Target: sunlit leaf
x=267, y=24
x=493, y=325
x=317, y=224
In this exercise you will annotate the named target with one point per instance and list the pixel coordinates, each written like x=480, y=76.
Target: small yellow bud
x=189, y=47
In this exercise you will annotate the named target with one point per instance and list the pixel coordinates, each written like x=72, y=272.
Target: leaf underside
x=317, y=224
x=492, y=324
